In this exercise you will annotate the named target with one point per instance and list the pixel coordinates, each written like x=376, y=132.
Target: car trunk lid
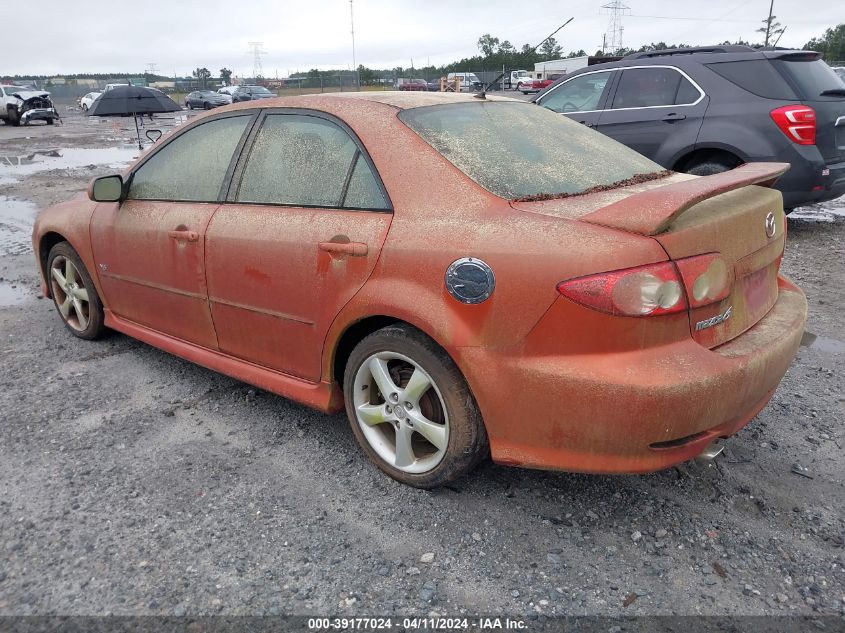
x=720, y=214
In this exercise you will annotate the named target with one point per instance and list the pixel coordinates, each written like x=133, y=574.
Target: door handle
x=674, y=117
x=184, y=236
x=587, y=124
x=355, y=249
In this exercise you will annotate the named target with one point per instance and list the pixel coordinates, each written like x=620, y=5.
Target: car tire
x=388, y=426
x=709, y=167
x=206, y=106
x=74, y=293
x=85, y=107
x=49, y=121
x=13, y=119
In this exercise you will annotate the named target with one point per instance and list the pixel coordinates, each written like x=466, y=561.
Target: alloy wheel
x=401, y=412
x=70, y=293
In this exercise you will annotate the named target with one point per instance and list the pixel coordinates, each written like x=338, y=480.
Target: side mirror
x=106, y=188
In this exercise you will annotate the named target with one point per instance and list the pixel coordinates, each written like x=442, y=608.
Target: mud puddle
x=14, y=167
x=823, y=344
x=16, y=219
x=12, y=295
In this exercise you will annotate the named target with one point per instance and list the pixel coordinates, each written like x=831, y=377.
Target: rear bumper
x=635, y=411
x=811, y=179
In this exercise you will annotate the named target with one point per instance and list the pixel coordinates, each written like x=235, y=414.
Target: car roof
x=408, y=100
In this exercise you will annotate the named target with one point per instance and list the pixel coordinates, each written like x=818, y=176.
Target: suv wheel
x=411, y=410
x=710, y=167
x=13, y=119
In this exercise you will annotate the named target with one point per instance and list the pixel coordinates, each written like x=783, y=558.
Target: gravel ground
x=132, y=482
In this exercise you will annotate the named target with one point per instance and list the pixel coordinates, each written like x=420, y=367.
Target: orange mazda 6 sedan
x=466, y=276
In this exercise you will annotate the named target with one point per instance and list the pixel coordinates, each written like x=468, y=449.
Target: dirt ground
x=132, y=482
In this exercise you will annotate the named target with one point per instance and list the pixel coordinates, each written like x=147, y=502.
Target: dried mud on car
x=135, y=483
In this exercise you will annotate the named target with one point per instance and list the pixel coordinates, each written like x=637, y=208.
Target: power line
x=676, y=17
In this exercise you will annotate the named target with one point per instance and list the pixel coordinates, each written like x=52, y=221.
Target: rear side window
x=193, y=165
x=648, y=87
x=307, y=161
x=757, y=76
x=812, y=76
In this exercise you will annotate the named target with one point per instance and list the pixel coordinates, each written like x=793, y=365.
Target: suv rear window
x=812, y=76
x=516, y=150
x=757, y=76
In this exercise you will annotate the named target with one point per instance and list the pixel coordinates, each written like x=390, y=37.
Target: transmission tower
x=616, y=9
x=152, y=68
x=257, y=51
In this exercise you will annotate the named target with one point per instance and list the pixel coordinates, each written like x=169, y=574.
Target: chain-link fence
x=66, y=90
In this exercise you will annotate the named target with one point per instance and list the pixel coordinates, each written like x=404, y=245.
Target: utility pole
x=352, y=24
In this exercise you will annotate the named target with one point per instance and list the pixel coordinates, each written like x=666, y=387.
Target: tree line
x=494, y=53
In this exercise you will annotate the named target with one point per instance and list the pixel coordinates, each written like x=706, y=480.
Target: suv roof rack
x=733, y=48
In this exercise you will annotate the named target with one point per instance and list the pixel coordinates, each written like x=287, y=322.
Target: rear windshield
x=757, y=76
x=516, y=150
x=812, y=77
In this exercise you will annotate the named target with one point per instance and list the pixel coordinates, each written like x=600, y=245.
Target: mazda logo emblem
x=770, y=224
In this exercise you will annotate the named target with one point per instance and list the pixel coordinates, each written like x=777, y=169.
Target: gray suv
x=706, y=110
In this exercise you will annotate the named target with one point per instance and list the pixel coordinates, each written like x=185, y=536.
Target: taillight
x=654, y=289
x=707, y=278
x=642, y=291
x=798, y=122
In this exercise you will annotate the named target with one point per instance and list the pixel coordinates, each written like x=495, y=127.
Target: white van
x=469, y=81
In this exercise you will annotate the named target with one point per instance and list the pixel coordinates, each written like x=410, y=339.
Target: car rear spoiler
x=651, y=212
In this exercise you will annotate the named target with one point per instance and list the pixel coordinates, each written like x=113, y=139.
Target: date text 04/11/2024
x=416, y=624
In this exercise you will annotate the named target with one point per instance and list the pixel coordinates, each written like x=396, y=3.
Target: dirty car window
x=299, y=160
x=517, y=149
x=192, y=166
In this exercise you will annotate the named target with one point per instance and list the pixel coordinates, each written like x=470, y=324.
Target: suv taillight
x=798, y=122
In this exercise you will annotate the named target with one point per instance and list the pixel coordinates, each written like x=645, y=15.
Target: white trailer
x=542, y=70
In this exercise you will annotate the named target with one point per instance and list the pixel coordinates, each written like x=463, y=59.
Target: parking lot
x=133, y=482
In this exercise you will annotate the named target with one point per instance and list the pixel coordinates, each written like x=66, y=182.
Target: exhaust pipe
x=709, y=454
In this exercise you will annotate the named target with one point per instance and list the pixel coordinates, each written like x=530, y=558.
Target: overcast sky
x=64, y=36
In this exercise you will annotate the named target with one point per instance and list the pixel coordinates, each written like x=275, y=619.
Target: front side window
x=517, y=150
x=647, y=87
x=192, y=166
x=580, y=94
x=304, y=160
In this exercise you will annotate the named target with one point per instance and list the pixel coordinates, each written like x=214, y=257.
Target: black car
x=205, y=99
x=251, y=93
x=707, y=110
